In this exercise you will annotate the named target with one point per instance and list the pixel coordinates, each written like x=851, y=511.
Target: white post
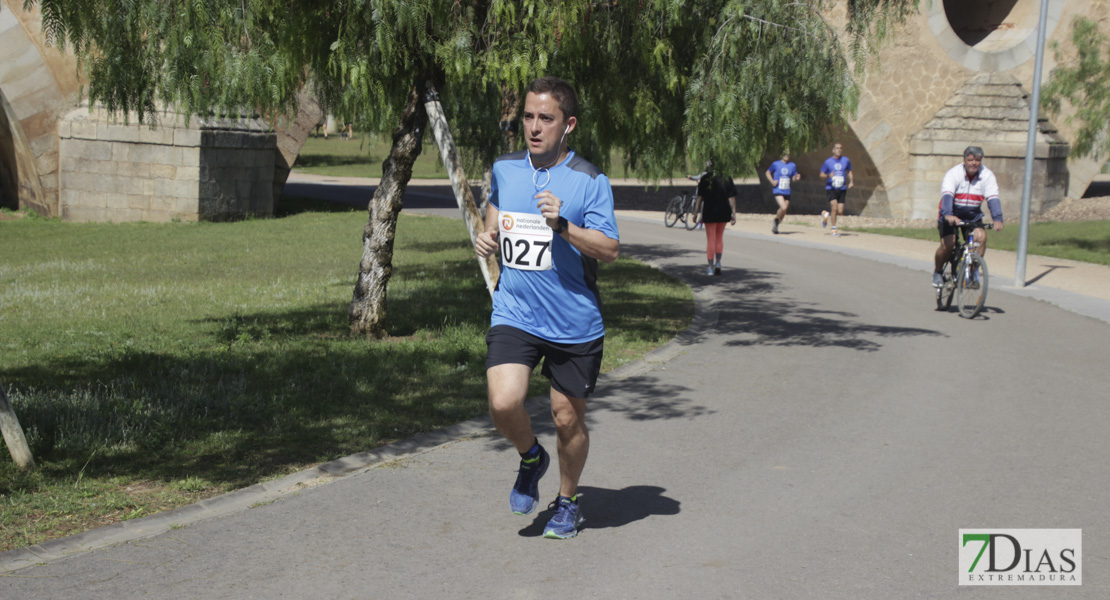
x=1030, y=151
x=13, y=434
x=463, y=195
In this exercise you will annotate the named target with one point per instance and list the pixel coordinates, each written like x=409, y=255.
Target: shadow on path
x=605, y=508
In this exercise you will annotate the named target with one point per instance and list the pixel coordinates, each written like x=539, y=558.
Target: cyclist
x=962, y=193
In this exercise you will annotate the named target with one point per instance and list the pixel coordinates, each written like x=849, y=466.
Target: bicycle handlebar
x=973, y=225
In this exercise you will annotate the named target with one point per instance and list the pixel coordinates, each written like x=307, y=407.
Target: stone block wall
x=210, y=169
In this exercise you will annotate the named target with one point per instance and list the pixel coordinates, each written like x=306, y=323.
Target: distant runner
x=782, y=173
x=837, y=173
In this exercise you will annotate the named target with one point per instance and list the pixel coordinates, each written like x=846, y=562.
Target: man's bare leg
x=508, y=388
x=574, y=439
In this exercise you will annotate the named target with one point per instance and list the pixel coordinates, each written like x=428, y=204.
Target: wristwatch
x=562, y=226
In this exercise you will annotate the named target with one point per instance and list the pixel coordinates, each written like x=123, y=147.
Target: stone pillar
x=207, y=169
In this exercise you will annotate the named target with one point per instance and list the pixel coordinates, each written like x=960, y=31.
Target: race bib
x=525, y=241
x=784, y=184
x=838, y=181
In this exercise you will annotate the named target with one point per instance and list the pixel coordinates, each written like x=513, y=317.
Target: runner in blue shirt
x=551, y=217
x=782, y=173
x=837, y=173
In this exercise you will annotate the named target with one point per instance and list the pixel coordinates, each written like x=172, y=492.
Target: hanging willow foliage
x=662, y=81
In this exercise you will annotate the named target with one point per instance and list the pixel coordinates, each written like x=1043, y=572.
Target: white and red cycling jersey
x=968, y=195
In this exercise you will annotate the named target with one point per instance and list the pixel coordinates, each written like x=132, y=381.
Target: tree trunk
x=510, y=108
x=367, y=312
x=13, y=434
x=463, y=194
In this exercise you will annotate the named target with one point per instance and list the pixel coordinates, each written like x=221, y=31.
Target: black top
x=715, y=192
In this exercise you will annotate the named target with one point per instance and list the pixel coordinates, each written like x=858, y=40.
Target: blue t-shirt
x=836, y=168
x=780, y=170
x=561, y=304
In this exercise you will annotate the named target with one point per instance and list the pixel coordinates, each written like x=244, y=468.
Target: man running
x=781, y=173
x=837, y=173
x=962, y=193
x=551, y=216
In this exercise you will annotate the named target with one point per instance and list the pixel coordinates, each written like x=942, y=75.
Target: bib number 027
x=521, y=253
x=525, y=241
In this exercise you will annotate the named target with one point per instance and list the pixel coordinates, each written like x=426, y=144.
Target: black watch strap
x=562, y=226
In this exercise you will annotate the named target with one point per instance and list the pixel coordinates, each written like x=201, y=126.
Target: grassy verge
x=1087, y=241
x=153, y=365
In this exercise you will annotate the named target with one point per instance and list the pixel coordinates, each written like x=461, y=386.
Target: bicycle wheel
x=971, y=286
x=690, y=219
x=674, y=211
x=946, y=290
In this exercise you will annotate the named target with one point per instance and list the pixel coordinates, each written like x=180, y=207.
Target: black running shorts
x=837, y=195
x=572, y=368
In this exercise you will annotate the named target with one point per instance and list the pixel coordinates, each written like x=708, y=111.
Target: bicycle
x=682, y=207
x=965, y=275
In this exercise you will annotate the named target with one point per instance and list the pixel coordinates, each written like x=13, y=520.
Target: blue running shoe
x=525, y=494
x=567, y=519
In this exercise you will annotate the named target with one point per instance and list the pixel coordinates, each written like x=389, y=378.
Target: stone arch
x=990, y=36
x=20, y=186
x=38, y=85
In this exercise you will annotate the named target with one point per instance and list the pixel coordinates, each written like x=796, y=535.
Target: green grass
x=1087, y=241
x=152, y=365
x=362, y=156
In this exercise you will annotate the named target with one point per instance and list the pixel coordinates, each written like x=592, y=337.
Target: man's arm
x=485, y=243
x=851, y=180
x=993, y=204
x=591, y=242
x=946, y=200
x=995, y=207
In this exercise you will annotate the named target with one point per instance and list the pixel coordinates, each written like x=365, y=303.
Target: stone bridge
x=955, y=75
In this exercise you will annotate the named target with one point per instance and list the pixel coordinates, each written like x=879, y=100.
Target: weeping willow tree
x=662, y=82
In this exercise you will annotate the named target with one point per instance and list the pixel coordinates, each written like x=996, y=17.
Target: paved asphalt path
x=820, y=432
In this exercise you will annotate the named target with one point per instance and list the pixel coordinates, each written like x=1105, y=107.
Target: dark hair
x=562, y=91
x=975, y=151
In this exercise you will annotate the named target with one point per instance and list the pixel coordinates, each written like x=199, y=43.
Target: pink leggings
x=715, y=239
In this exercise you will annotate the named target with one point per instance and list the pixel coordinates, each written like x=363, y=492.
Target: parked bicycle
x=682, y=208
x=965, y=275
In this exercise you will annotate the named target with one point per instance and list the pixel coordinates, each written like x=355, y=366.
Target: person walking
x=782, y=173
x=551, y=217
x=837, y=173
x=716, y=205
